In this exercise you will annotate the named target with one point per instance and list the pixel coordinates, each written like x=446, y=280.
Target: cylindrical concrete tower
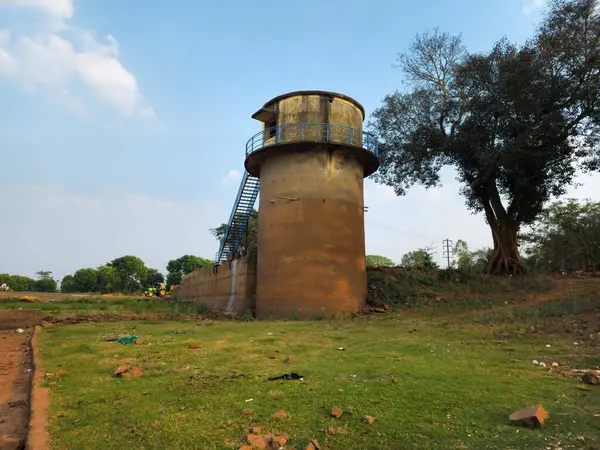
x=311, y=158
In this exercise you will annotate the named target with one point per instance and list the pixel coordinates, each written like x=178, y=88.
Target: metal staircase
x=238, y=220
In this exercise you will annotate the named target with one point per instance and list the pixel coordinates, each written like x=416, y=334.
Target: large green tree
x=18, y=283
x=67, y=285
x=85, y=280
x=108, y=280
x=513, y=122
x=379, y=261
x=178, y=268
x=566, y=236
x=249, y=240
x=131, y=272
x=153, y=277
x=45, y=282
x=419, y=259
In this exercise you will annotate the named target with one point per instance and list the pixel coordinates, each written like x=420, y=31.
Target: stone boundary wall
x=229, y=288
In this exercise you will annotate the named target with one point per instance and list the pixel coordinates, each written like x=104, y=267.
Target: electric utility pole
x=447, y=243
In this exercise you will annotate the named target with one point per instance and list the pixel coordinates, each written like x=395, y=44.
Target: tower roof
x=321, y=93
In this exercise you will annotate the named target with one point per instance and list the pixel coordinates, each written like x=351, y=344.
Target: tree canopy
x=178, y=268
x=249, y=240
x=566, y=237
x=19, y=283
x=419, y=259
x=126, y=274
x=379, y=261
x=514, y=122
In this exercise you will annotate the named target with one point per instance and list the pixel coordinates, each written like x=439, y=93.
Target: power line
x=447, y=243
x=403, y=231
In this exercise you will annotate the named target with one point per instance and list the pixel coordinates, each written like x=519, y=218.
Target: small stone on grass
x=336, y=412
x=530, y=417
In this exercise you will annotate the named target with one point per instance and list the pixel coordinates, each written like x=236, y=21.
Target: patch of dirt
x=72, y=319
x=15, y=382
x=11, y=319
x=37, y=438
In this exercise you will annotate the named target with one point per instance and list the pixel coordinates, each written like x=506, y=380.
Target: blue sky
x=123, y=124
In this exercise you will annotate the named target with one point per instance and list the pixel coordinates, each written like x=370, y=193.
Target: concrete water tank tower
x=311, y=158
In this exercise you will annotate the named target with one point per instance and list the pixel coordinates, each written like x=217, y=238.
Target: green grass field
x=459, y=377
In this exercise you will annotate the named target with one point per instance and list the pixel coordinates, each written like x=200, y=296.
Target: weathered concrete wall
x=229, y=288
x=311, y=257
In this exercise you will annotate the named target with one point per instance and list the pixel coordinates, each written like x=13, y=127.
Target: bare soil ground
x=44, y=296
x=10, y=320
x=15, y=382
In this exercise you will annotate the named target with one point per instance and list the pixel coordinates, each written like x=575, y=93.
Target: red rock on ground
x=336, y=412
x=288, y=359
x=530, y=417
x=136, y=372
x=255, y=430
x=395, y=380
x=194, y=346
x=247, y=411
x=61, y=373
x=273, y=356
x=281, y=414
x=259, y=441
x=368, y=420
x=245, y=447
x=279, y=440
x=120, y=370
x=139, y=341
x=128, y=372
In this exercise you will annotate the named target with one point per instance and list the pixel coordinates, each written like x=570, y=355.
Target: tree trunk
x=506, y=259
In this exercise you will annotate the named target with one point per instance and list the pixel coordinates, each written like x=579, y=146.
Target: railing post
x=351, y=133
x=302, y=128
x=278, y=133
x=327, y=132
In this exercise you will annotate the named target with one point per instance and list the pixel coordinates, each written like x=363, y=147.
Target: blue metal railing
x=315, y=132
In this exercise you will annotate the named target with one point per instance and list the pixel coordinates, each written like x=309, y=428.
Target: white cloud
x=531, y=6
x=51, y=61
x=49, y=227
x=58, y=8
x=232, y=177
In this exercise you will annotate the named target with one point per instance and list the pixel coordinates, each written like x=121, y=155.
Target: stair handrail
x=232, y=216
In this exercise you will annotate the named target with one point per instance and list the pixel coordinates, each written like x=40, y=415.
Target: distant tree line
x=127, y=274
x=44, y=282
x=566, y=237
